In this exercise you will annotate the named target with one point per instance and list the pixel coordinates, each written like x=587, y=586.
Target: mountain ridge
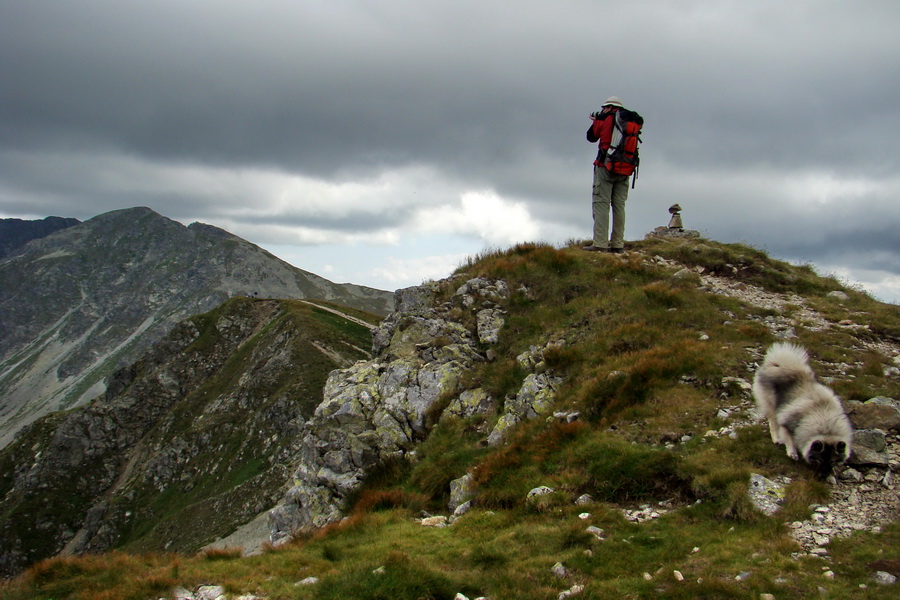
x=83, y=300
x=180, y=437
x=15, y=233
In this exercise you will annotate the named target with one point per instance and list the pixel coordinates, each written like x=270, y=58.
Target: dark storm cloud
x=321, y=86
x=301, y=88
x=487, y=95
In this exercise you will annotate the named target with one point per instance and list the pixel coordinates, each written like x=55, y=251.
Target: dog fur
x=803, y=414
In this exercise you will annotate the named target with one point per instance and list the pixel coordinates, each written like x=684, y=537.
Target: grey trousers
x=609, y=190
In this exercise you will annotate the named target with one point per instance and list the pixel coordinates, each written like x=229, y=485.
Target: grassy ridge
x=210, y=461
x=238, y=466
x=645, y=362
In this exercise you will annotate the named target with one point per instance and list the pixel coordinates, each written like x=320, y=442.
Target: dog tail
x=786, y=364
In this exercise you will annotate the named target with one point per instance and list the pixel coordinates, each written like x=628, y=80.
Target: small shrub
x=633, y=337
x=505, y=476
x=736, y=504
x=800, y=495
x=548, y=503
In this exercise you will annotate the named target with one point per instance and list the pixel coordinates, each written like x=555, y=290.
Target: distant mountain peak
x=75, y=305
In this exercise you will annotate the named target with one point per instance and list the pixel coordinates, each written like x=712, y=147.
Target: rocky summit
x=84, y=300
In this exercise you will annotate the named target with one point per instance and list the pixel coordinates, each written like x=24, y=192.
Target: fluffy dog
x=803, y=414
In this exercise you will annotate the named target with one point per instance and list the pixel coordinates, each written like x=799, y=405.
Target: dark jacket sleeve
x=596, y=131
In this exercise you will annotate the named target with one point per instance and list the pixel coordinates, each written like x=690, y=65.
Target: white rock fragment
x=884, y=578
x=560, y=570
x=211, y=592
x=572, y=591
x=539, y=491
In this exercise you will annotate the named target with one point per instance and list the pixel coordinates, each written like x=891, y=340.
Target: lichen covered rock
x=378, y=410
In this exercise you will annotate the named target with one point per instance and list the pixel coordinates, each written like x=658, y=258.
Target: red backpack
x=622, y=156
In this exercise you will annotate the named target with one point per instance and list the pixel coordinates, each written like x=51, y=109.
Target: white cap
x=613, y=101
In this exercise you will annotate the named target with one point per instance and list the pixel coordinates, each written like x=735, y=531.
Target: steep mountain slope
x=586, y=420
x=195, y=436
x=15, y=233
x=76, y=304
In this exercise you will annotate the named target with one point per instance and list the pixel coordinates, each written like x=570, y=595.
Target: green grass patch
x=576, y=459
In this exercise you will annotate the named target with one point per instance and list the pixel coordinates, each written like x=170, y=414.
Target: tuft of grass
x=447, y=454
x=221, y=553
x=639, y=374
x=377, y=500
x=664, y=294
x=89, y=577
x=401, y=577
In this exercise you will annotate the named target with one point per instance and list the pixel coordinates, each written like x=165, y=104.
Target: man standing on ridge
x=610, y=189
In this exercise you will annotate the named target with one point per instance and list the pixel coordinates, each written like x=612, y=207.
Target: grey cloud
x=359, y=221
x=316, y=90
x=492, y=95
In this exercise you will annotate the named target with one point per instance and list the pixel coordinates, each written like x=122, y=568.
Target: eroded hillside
x=189, y=442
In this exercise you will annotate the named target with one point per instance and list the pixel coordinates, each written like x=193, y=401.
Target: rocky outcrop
x=875, y=413
x=379, y=409
x=536, y=396
x=80, y=303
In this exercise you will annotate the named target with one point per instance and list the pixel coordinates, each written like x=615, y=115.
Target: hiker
x=611, y=175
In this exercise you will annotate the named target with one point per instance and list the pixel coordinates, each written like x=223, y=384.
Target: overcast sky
x=381, y=142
